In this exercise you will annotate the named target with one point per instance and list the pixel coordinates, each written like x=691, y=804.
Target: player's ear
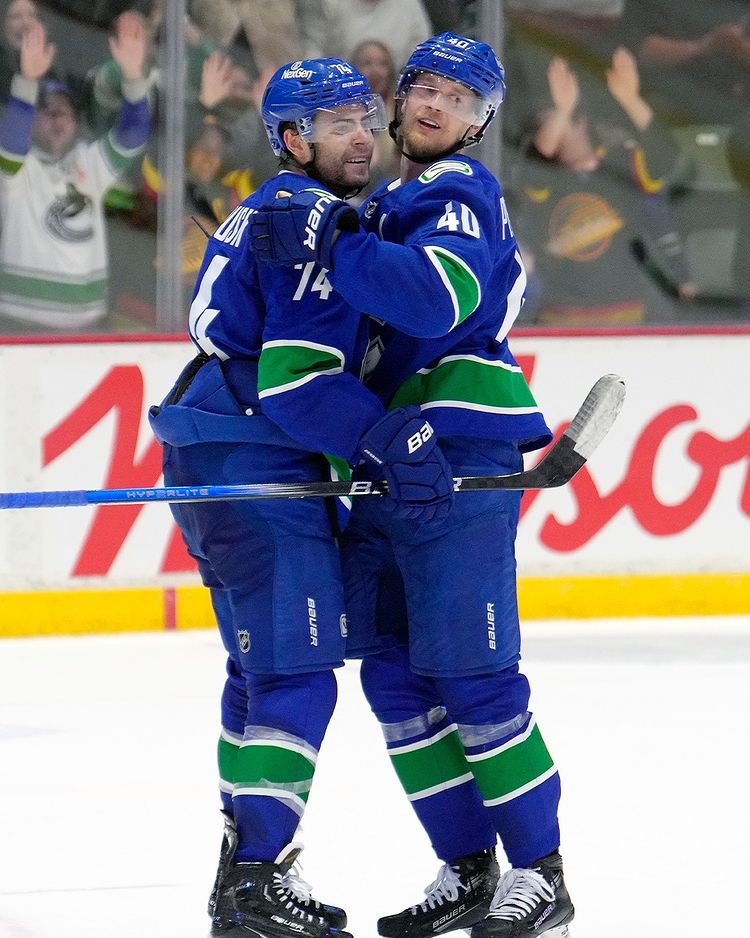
x=295, y=144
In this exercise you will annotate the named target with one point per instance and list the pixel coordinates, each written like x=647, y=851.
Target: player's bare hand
x=563, y=86
x=37, y=54
x=129, y=45
x=623, y=80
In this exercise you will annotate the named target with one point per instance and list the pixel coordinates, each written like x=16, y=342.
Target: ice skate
x=228, y=845
x=268, y=900
x=529, y=902
x=459, y=897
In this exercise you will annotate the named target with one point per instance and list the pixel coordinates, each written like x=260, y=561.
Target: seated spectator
x=593, y=212
x=374, y=60
x=53, y=250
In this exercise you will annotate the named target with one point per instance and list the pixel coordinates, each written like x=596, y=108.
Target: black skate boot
x=458, y=898
x=529, y=902
x=228, y=845
x=267, y=900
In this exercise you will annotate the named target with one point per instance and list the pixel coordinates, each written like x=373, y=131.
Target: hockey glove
x=296, y=229
x=402, y=449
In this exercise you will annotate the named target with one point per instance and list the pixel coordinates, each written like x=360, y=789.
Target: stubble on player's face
x=343, y=162
x=427, y=132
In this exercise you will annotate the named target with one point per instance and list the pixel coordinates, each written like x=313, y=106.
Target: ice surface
x=109, y=824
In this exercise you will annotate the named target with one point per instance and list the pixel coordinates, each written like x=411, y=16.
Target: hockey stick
x=585, y=432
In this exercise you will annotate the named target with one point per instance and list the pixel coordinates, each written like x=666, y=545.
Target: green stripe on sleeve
x=514, y=768
x=286, y=365
x=432, y=765
x=464, y=380
x=458, y=279
x=9, y=164
x=117, y=159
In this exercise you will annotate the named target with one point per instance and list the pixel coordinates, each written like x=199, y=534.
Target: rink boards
x=657, y=523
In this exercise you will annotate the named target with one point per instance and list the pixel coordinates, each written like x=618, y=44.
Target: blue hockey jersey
x=440, y=265
x=301, y=346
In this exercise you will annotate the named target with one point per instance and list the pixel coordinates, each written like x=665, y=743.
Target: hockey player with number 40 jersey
x=432, y=608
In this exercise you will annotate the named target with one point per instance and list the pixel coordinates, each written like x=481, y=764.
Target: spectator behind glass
x=399, y=24
x=694, y=57
x=456, y=16
x=695, y=61
x=17, y=16
x=584, y=32
x=53, y=250
x=593, y=209
x=374, y=60
x=270, y=29
x=213, y=187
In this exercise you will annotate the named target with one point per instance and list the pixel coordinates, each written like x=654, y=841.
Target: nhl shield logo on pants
x=243, y=640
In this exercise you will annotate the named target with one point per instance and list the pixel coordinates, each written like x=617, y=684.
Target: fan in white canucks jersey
x=433, y=608
x=274, y=386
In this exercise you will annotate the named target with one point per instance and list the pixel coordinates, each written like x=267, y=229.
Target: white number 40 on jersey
x=462, y=218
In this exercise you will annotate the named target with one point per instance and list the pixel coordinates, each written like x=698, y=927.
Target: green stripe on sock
x=270, y=766
x=227, y=756
x=340, y=466
x=433, y=764
x=514, y=766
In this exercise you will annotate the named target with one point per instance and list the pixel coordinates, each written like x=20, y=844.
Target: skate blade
x=561, y=931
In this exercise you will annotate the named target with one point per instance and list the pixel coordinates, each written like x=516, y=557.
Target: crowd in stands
x=626, y=147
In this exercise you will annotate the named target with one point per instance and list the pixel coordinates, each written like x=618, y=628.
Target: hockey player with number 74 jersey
x=275, y=384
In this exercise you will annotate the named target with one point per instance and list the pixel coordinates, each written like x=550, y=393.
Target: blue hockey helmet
x=298, y=91
x=468, y=61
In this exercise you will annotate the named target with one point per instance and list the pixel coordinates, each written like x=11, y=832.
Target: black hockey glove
x=401, y=447
x=296, y=229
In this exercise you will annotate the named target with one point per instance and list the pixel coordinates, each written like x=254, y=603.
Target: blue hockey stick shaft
x=566, y=456
x=197, y=493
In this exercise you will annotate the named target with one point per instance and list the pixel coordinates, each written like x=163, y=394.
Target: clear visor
x=448, y=96
x=367, y=113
